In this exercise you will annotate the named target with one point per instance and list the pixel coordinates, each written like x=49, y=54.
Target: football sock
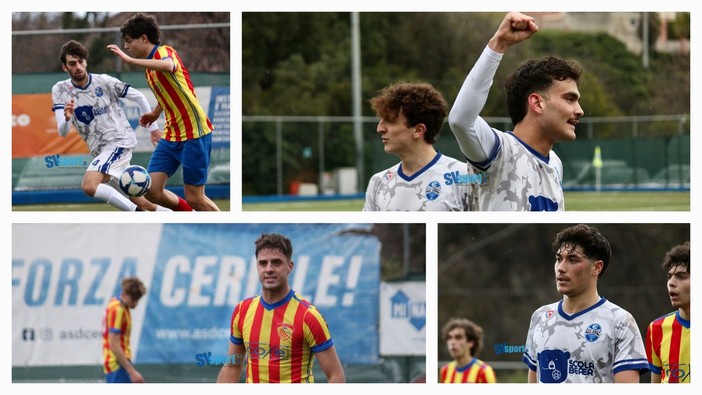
x=183, y=205
x=110, y=196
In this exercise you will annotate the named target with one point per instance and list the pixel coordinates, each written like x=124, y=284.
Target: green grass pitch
x=575, y=201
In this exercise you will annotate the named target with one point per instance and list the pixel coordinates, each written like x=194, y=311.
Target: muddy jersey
x=590, y=346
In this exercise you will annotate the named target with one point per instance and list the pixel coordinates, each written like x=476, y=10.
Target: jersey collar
x=581, y=312
x=533, y=151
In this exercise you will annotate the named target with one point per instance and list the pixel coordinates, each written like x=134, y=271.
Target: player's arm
x=144, y=108
x=330, y=364
x=531, y=377
x=475, y=138
x=231, y=372
x=627, y=376
x=163, y=65
x=114, y=341
x=63, y=124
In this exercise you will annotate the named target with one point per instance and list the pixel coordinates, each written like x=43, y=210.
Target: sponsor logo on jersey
x=390, y=175
x=549, y=313
x=581, y=368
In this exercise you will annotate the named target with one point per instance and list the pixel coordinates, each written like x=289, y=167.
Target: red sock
x=183, y=205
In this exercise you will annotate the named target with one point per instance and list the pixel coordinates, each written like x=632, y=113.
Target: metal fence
x=280, y=153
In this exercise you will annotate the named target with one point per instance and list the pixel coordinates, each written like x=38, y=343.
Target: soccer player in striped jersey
x=668, y=337
x=524, y=174
x=464, y=340
x=117, y=329
x=187, y=135
x=91, y=102
x=583, y=338
x=411, y=117
x=278, y=332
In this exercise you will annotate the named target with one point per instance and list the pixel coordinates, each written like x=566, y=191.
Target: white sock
x=110, y=196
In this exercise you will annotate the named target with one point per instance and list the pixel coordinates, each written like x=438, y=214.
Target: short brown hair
x=274, y=241
x=472, y=330
x=73, y=48
x=133, y=287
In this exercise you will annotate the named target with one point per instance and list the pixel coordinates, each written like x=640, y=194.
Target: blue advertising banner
x=219, y=115
x=202, y=270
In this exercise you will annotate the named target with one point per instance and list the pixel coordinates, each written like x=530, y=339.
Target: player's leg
x=147, y=205
x=104, y=165
x=163, y=164
x=196, y=161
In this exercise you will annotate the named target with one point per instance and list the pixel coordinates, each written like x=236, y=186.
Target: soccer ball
x=135, y=181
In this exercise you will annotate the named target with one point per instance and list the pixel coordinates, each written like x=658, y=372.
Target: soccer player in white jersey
x=91, y=103
x=583, y=338
x=524, y=174
x=411, y=117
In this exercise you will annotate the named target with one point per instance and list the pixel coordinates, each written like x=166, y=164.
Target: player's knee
x=89, y=189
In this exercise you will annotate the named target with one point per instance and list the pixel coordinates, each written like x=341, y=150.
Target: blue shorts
x=118, y=376
x=194, y=155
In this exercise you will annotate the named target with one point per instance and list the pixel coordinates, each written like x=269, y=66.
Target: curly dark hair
x=274, y=241
x=472, y=330
x=419, y=102
x=536, y=75
x=677, y=256
x=73, y=48
x=594, y=245
x=140, y=24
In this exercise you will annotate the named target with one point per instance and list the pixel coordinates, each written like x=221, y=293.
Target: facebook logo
x=27, y=334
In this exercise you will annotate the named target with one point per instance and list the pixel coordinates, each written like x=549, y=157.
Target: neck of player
x=414, y=160
x=576, y=303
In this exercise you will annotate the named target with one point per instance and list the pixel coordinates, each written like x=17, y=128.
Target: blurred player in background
x=187, y=136
x=464, y=340
x=411, y=117
x=668, y=337
x=91, y=103
x=280, y=331
x=117, y=328
x=583, y=338
x=524, y=174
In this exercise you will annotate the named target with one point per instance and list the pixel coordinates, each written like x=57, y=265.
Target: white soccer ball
x=135, y=181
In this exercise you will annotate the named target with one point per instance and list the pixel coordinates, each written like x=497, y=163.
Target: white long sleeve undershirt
x=475, y=137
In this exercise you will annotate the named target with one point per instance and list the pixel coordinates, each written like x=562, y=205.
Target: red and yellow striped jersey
x=117, y=319
x=280, y=338
x=668, y=348
x=476, y=371
x=185, y=118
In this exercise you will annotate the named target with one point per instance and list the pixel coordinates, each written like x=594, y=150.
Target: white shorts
x=111, y=161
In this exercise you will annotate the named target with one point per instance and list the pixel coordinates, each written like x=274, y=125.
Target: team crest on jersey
x=99, y=92
x=593, y=332
x=433, y=190
x=285, y=331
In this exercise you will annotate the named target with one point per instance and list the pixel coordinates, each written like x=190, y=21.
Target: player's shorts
x=112, y=161
x=118, y=376
x=194, y=155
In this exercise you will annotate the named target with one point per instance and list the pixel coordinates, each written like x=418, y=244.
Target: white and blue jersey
x=442, y=185
x=519, y=178
x=98, y=115
x=590, y=346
